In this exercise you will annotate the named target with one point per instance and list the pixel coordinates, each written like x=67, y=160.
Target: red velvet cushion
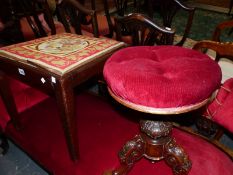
x=162, y=76
x=220, y=109
x=102, y=131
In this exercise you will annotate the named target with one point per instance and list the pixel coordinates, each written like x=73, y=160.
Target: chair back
x=217, y=36
x=225, y=49
x=118, y=8
x=73, y=14
x=168, y=10
x=142, y=30
x=31, y=10
x=121, y=6
x=20, y=16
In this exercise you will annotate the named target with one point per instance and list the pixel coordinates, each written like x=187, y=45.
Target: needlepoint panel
x=61, y=53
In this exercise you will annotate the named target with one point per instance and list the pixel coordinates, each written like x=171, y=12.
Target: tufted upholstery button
x=167, y=78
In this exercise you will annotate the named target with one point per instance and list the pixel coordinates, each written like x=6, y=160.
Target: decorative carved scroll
x=177, y=159
x=155, y=129
x=131, y=152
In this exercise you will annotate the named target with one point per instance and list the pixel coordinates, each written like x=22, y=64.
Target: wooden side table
x=55, y=65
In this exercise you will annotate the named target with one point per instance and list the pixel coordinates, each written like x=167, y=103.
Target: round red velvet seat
x=162, y=79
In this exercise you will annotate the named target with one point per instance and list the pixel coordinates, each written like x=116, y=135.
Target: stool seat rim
x=153, y=110
x=162, y=77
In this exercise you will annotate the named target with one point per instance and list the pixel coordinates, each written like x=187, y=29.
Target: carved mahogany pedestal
x=154, y=143
x=163, y=81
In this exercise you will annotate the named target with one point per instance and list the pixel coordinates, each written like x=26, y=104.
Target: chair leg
x=230, y=32
x=8, y=100
x=206, y=127
x=4, y=146
x=230, y=7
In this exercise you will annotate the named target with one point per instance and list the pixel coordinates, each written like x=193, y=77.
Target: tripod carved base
x=154, y=143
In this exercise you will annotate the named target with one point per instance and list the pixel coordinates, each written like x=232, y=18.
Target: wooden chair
x=21, y=22
x=26, y=17
x=220, y=28
x=26, y=14
x=111, y=9
x=230, y=7
x=222, y=48
x=70, y=14
x=168, y=9
x=137, y=29
x=4, y=146
x=73, y=14
x=9, y=30
x=31, y=11
x=37, y=20
x=205, y=126
x=122, y=10
x=213, y=115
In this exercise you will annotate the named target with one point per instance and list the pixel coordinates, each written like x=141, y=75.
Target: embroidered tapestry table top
x=61, y=53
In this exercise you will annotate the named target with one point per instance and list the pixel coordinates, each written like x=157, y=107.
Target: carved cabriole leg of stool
x=155, y=143
x=177, y=159
x=131, y=152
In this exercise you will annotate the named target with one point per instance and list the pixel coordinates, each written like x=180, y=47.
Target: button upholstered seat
x=163, y=79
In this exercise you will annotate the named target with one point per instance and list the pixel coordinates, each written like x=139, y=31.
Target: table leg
x=4, y=146
x=8, y=100
x=230, y=7
x=65, y=100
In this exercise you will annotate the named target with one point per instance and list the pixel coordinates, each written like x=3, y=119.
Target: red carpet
x=101, y=133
